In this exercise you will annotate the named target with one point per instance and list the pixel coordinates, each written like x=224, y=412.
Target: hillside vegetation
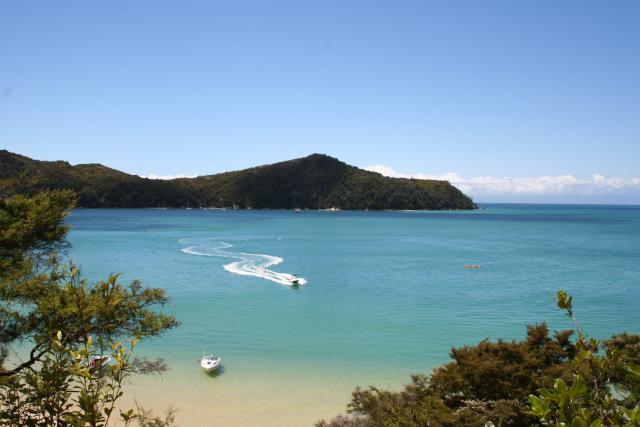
x=313, y=182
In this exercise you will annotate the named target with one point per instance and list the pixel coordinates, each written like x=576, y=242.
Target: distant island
x=314, y=182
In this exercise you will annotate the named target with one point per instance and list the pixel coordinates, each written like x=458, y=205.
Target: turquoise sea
x=386, y=294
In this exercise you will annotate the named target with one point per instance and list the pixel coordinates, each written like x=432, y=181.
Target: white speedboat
x=292, y=279
x=209, y=362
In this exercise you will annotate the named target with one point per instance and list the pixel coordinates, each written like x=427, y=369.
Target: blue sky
x=508, y=91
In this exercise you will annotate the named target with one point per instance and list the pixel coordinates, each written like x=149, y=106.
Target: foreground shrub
x=541, y=380
x=68, y=325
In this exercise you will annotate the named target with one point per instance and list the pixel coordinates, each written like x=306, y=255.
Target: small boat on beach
x=98, y=362
x=209, y=362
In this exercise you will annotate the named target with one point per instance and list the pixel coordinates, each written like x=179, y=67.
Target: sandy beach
x=242, y=400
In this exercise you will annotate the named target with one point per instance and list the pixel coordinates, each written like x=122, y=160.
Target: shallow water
x=382, y=295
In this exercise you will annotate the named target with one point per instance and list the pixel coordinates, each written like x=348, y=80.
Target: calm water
x=386, y=292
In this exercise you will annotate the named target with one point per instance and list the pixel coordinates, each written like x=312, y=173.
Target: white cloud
x=165, y=177
x=541, y=185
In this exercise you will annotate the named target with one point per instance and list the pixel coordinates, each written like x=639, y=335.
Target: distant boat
x=209, y=362
x=472, y=266
x=297, y=210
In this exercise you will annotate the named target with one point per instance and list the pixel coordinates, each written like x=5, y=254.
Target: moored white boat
x=209, y=362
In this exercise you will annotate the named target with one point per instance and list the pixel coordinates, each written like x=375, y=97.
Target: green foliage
x=503, y=370
x=31, y=226
x=70, y=389
x=414, y=406
x=31, y=231
x=67, y=322
x=62, y=300
x=144, y=418
x=312, y=182
x=626, y=372
x=488, y=382
x=603, y=390
x=538, y=381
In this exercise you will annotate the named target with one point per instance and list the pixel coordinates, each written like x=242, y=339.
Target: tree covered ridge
x=314, y=182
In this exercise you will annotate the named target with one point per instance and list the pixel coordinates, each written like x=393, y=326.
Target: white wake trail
x=246, y=265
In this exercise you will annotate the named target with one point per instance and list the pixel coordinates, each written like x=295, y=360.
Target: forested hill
x=314, y=182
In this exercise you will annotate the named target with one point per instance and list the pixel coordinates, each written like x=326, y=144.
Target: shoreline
x=241, y=399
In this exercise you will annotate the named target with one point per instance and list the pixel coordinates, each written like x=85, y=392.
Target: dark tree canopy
x=32, y=226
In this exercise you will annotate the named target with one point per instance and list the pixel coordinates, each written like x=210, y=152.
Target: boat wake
x=246, y=264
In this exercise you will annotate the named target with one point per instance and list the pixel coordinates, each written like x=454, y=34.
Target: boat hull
x=210, y=365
